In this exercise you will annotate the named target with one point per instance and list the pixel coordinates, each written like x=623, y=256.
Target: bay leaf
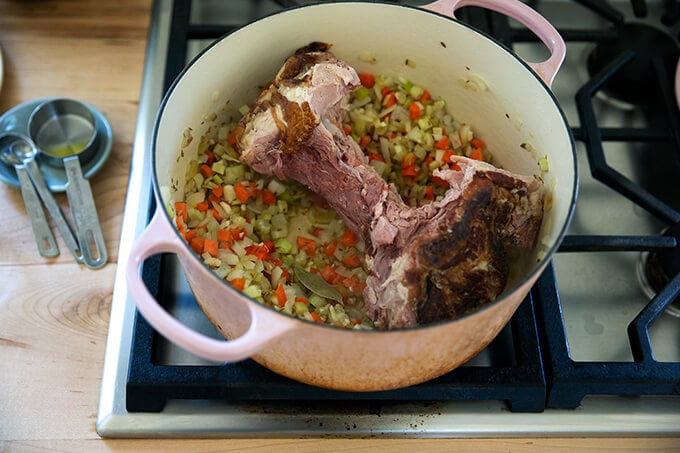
x=316, y=284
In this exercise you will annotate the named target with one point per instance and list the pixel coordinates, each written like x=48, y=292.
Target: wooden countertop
x=54, y=313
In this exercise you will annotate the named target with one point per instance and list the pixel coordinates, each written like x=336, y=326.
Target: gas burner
x=660, y=266
x=635, y=82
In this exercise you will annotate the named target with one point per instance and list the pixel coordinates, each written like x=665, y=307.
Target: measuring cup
x=64, y=132
x=11, y=153
x=25, y=151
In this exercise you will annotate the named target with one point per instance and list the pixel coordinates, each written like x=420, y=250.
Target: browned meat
x=424, y=264
x=451, y=256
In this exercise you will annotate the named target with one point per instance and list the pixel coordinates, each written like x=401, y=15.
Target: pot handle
x=157, y=238
x=525, y=15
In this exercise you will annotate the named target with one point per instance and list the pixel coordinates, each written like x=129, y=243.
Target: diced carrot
x=364, y=141
x=202, y=206
x=376, y=156
x=328, y=274
x=218, y=191
x=304, y=300
x=210, y=246
x=242, y=192
x=477, y=154
x=347, y=129
x=259, y=251
x=354, y=284
x=224, y=235
x=425, y=96
x=197, y=244
x=281, y=295
x=349, y=238
x=238, y=233
x=181, y=210
x=439, y=181
x=268, y=197
x=306, y=244
x=442, y=143
x=316, y=317
x=414, y=111
x=446, y=157
x=274, y=261
x=238, y=283
x=351, y=261
x=385, y=91
x=409, y=160
x=429, y=193
x=231, y=138
x=455, y=167
x=390, y=99
x=477, y=143
x=285, y=275
x=189, y=235
x=367, y=80
x=217, y=215
x=206, y=171
x=329, y=249
x=409, y=172
x=211, y=157
x=271, y=246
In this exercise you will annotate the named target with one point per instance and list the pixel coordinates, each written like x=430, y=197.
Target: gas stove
x=593, y=350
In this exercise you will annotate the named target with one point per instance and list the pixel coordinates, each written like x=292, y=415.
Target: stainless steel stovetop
x=601, y=286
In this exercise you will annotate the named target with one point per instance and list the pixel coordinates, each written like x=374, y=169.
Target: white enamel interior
x=513, y=110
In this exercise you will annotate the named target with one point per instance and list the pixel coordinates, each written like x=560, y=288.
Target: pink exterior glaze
x=547, y=69
x=159, y=237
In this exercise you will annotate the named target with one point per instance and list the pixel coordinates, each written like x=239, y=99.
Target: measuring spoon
x=47, y=245
x=25, y=151
x=64, y=131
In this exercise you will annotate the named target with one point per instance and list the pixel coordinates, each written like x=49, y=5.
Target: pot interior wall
x=483, y=84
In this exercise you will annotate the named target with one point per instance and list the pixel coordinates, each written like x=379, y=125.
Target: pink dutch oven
x=506, y=100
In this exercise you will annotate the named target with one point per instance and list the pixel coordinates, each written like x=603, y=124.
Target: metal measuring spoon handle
x=88, y=228
x=47, y=245
x=53, y=209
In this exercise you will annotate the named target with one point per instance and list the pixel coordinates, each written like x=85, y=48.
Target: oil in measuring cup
x=65, y=133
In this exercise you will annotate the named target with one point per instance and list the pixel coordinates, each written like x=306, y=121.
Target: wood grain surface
x=54, y=313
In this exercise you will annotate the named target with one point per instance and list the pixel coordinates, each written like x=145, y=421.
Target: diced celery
x=218, y=167
x=234, y=173
x=362, y=92
x=222, y=133
x=283, y=245
x=300, y=308
x=252, y=291
x=416, y=91
x=317, y=300
x=379, y=166
x=243, y=110
x=424, y=124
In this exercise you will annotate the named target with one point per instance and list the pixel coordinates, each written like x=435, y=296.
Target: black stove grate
x=515, y=375
x=530, y=369
x=571, y=381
